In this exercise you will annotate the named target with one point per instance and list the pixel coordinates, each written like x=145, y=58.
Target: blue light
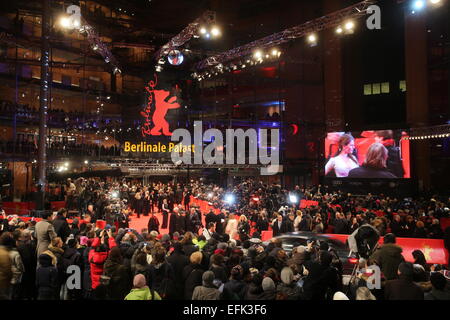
x=229, y=198
x=418, y=5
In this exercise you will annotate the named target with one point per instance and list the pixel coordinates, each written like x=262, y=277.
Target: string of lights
x=434, y=132
x=335, y=19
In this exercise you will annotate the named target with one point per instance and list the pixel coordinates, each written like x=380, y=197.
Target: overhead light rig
x=195, y=29
x=262, y=48
x=73, y=21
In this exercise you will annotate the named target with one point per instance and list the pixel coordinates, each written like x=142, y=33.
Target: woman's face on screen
x=349, y=147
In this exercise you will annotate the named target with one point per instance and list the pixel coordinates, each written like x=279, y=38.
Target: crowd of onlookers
x=213, y=254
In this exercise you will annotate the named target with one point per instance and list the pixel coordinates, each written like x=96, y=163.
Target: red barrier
x=266, y=235
x=19, y=208
x=433, y=249
x=56, y=205
x=308, y=203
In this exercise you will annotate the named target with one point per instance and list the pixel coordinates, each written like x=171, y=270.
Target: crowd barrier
x=24, y=208
x=433, y=249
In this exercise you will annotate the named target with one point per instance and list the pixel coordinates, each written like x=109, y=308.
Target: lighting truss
x=99, y=46
x=328, y=21
x=207, y=18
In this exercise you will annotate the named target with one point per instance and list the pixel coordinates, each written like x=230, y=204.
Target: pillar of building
x=416, y=69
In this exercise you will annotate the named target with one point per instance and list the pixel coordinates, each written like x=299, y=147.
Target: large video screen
x=378, y=154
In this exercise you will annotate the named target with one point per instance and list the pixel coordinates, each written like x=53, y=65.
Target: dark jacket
x=173, y=225
x=341, y=226
x=192, y=275
x=61, y=227
x=286, y=226
x=402, y=289
x=178, y=261
x=236, y=287
x=371, y=173
x=388, y=257
x=46, y=279
x=119, y=284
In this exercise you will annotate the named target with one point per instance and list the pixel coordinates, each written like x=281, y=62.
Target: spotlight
x=349, y=25
x=65, y=22
x=94, y=47
x=107, y=60
x=293, y=198
x=312, y=40
x=339, y=30
x=215, y=31
x=66, y=164
x=203, y=30
x=274, y=52
x=158, y=68
x=258, y=54
x=114, y=194
x=86, y=162
x=417, y=6
x=210, y=195
x=434, y=2
x=229, y=198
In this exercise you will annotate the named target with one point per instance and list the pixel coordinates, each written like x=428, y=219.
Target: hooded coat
x=388, y=258
x=207, y=291
x=97, y=260
x=46, y=278
x=288, y=288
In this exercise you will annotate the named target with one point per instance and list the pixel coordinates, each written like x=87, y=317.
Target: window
x=376, y=88
x=367, y=89
x=402, y=85
x=385, y=87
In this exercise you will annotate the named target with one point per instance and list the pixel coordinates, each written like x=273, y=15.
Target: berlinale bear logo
x=158, y=103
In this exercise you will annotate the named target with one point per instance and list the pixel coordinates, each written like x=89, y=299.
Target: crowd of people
x=214, y=254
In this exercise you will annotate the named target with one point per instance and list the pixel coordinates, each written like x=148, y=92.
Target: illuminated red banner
x=157, y=105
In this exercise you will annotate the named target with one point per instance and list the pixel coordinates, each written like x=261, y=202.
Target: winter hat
x=363, y=293
x=208, y=278
x=175, y=236
x=139, y=281
x=340, y=296
x=268, y=284
x=287, y=276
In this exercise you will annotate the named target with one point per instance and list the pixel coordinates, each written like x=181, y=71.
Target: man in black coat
x=173, y=221
x=220, y=220
x=210, y=217
x=61, y=226
x=341, y=224
x=178, y=261
x=281, y=226
x=403, y=288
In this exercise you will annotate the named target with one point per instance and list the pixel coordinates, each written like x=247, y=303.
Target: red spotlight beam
x=207, y=18
x=328, y=21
